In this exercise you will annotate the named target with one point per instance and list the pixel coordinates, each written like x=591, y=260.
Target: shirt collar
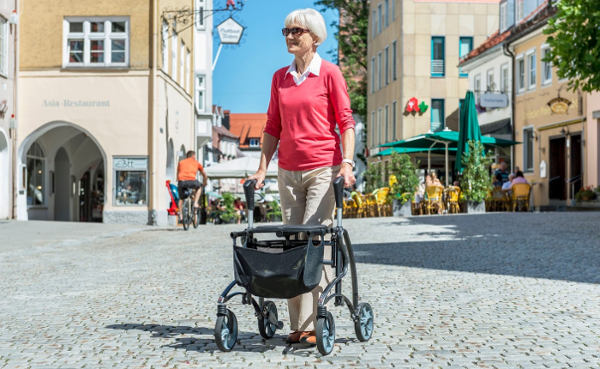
x=314, y=67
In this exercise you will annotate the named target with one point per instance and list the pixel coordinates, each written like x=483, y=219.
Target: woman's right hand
x=259, y=176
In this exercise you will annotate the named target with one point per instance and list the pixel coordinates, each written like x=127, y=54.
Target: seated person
x=519, y=178
x=434, y=180
x=503, y=171
x=506, y=185
x=497, y=180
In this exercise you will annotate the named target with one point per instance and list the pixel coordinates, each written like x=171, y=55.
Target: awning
x=239, y=168
x=411, y=150
x=439, y=140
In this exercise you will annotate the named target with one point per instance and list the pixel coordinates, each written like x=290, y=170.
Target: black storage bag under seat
x=279, y=275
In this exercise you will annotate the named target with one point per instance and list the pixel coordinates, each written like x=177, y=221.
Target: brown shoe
x=309, y=337
x=294, y=337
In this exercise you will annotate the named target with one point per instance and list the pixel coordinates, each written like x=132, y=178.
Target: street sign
x=492, y=100
x=230, y=31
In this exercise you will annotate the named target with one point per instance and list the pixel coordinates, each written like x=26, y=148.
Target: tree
x=574, y=39
x=352, y=34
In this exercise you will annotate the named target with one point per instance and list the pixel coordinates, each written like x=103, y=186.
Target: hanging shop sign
x=230, y=31
x=493, y=100
x=559, y=105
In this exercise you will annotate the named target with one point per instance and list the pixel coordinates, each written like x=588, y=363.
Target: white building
x=7, y=104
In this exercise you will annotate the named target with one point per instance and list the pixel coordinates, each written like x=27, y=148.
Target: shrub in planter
x=229, y=214
x=585, y=194
x=274, y=214
x=403, y=182
x=373, y=177
x=476, y=182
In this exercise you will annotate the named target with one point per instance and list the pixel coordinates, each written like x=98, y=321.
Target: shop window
x=528, y=149
x=465, y=45
x=437, y=56
x=36, y=174
x=131, y=181
x=96, y=42
x=437, y=115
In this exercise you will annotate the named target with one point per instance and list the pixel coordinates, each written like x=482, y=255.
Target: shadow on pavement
x=546, y=250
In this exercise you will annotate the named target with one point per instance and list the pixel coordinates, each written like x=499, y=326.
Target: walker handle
x=338, y=189
x=249, y=192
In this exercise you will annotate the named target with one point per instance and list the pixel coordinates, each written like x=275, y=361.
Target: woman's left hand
x=346, y=172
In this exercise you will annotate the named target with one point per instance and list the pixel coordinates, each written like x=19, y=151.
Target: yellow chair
x=520, y=196
x=433, y=199
x=383, y=203
x=370, y=205
x=452, y=199
x=349, y=210
x=360, y=203
x=499, y=200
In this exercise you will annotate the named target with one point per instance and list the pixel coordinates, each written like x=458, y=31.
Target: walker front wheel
x=363, y=325
x=265, y=326
x=226, y=331
x=325, y=331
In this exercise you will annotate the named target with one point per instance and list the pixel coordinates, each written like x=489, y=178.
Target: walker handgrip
x=249, y=192
x=338, y=189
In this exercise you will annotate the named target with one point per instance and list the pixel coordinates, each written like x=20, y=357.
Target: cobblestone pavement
x=490, y=291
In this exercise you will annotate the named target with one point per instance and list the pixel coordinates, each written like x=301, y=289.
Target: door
x=85, y=203
x=557, y=187
x=576, y=164
x=62, y=189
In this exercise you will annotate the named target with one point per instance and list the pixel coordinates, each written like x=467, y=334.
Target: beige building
x=106, y=108
x=8, y=60
x=592, y=139
x=414, y=50
x=549, y=119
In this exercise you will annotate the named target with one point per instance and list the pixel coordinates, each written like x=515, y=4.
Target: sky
x=242, y=76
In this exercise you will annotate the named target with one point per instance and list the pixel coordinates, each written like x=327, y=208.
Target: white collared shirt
x=314, y=67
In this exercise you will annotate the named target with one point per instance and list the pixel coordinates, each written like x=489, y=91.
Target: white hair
x=311, y=19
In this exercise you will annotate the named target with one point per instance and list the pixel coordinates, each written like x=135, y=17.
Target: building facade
x=592, y=139
x=107, y=109
x=8, y=62
x=414, y=50
x=249, y=128
x=549, y=119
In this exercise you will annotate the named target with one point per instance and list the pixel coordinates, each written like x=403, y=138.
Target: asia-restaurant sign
x=230, y=31
x=492, y=100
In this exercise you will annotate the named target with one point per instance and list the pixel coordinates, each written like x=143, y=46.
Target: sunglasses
x=296, y=31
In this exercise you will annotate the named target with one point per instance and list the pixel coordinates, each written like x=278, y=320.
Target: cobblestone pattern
x=489, y=291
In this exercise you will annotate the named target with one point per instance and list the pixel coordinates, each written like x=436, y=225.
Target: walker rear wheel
x=363, y=325
x=325, y=334
x=226, y=331
x=265, y=327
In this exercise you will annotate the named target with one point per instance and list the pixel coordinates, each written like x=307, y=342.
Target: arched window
x=36, y=173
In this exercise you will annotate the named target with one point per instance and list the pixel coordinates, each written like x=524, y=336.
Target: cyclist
x=186, y=177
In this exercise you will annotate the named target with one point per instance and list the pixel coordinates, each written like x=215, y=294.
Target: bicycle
x=188, y=215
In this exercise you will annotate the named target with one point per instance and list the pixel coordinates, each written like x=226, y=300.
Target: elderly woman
x=309, y=98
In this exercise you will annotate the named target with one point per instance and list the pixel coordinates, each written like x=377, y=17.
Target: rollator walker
x=287, y=266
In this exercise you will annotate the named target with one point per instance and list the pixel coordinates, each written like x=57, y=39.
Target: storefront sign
x=68, y=103
x=492, y=100
x=230, y=31
x=130, y=163
x=559, y=105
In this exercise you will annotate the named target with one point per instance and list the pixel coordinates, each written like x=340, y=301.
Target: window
x=520, y=73
x=36, y=173
x=373, y=74
x=387, y=13
x=503, y=16
x=394, y=62
x=387, y=65
x=393, y=10
x=182, y=64
x=437, y=56
x=254, y=142
x=386, y=122
x=546, y=66
x=200, y=93
x=131, y=185
x=96, y=42
x=394, y=118
x=491, y=85
x=531, y=65
x=379, y=126
x=199, y=14
x=465, y=45
x=379, y=18
x=519, y=11
x=437, y=115
x=374, y=24
x=504, y=82
x=174, y=53
x=528, y=149
x=3, y=47
x=373, y=123
x=164, y=47
x=379, y=71
x=477, y=87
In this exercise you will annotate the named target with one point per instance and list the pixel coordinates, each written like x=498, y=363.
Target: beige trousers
x=307, y=198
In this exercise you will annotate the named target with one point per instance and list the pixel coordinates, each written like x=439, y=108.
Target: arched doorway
x=4, y=177
x=64, y=174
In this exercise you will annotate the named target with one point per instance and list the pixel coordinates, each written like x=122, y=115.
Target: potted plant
x=403, y=182
x=228, y=213
x=585, y=194
x=476, y=182
x=274, y=212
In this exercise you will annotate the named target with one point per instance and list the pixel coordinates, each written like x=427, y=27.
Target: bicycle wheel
x=195, y=217
x=185, y=214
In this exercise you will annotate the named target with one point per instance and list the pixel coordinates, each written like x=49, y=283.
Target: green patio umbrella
x=468, y=129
